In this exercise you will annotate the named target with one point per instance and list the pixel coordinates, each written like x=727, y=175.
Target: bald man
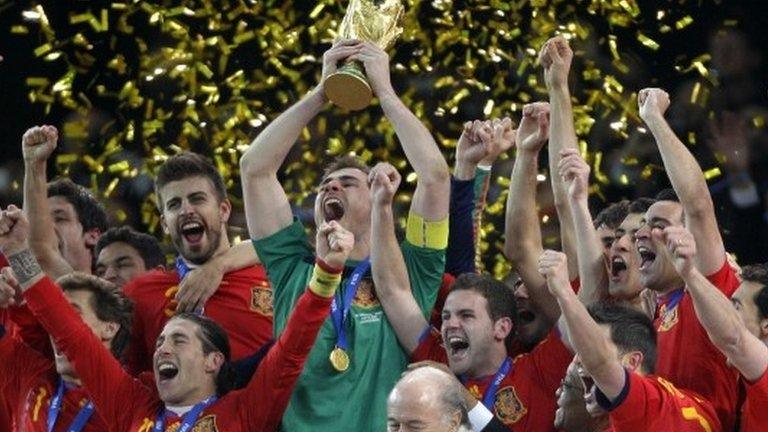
x=429, y=400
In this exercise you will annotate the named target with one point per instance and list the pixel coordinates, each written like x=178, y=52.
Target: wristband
x=325, y=279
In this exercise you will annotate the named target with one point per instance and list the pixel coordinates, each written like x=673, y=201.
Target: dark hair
x=214, y=339
x=346, y=161
x=631, y=330
x=500, y=298
x=613, y=215
x=758, y=273
x=90, y=212
x=667, y=194
x=640, y=205
x=185, y=165
x=147, y=246
x=108, y=303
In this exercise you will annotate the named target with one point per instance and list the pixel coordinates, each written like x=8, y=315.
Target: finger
x=9, y=277
x=553, y=50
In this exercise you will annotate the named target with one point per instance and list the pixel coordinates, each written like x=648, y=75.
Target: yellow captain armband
x=325, y=279
x=429, y=234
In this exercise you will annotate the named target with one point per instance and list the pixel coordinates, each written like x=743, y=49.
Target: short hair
x=214, y=339
x=613, y=215
x=667, y=194
x=451, y=391
x=147, y=246
x=90, y=212
x=499, y=296
x=631, y=330
x=185, y=165
x=345, y=161
x=758, y=273
x=108, y=303
x=640, y=205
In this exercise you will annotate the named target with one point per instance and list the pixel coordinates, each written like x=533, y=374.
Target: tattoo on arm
x=25, y=266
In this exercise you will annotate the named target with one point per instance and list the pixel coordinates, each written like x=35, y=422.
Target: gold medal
x=339, y=359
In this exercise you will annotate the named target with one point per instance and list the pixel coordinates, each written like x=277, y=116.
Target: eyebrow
x=341, y=178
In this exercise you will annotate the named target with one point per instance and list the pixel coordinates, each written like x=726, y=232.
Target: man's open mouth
x=192, y=231
x=647, y=257
x=333, y=209
x=167, y=371
x=618, y=265
x=457, y=346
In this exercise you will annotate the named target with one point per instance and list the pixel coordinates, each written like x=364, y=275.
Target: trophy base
x=348, y=89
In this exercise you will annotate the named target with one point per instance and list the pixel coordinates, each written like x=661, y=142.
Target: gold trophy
x=366, y=20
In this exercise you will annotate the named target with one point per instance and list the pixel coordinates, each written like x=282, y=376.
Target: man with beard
x=616, y=349
x=739, y=330
x=356, y=359
x=194, y=208
x=686, y=355
x=572, y=414
x=191, y=366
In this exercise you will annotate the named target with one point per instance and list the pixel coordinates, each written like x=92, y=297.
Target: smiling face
x=195, y=218
x=184, y=374
x=119, y=263
x=471, y=337
x=532, y=326
x=657, y=271
x=344, y=196
x=624, y=260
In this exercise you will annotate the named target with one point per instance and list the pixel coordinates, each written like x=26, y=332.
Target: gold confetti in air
x=144, y=80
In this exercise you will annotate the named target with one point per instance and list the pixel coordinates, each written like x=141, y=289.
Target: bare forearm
x=268, y=151
x=238, y=257
x=418, y=144
x=522, y=234
x=592, y=271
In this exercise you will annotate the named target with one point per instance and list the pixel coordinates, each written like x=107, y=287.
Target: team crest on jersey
x=668, y=318
x=205, y=424
x=170, y=294
x=261, y=300
x=365, y=297
x=509, y=408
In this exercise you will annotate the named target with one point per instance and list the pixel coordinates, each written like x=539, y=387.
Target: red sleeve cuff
x=327, y=267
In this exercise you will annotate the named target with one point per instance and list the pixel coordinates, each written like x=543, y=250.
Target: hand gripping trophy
x=367, y=20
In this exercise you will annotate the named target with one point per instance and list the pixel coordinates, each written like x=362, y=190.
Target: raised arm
x=522, y=233
x=715, y=312
x=555, y=57
x=430, y=200
x=37, y=145
x=591, y=343
x=592, y=271
x=687, y=180
x=100, y=372
x=267, y=209
x=278, y=372
x=202, y=282
x=390, y=275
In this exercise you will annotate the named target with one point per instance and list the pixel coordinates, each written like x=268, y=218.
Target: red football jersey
x=130, y=404
x=525, y=399
x=28, y=382
x=688, y=358
x=754, y=417
x=653, y=404
x=242, y=306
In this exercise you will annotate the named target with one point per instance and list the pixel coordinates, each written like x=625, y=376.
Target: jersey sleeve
x=266, y=397
x=754, y=417
x=460, y=254
x=137, y=359
x=30, y=331
x=549, y=360
x=430, y=347
x=725, y=279
x=102, y=375
x=424, y=256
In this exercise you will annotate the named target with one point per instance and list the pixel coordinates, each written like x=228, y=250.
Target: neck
x=362, y=248
x=492, y=363
x=193, y=398
x=71, y=379
x=674, y=287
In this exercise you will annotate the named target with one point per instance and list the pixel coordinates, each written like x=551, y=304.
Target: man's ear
x=225, y=210
x=632, y=361
x=764, y=328
x=91, y=237
x=213, y=362
x=166, y=231
x=109, y=331
x=502, y=328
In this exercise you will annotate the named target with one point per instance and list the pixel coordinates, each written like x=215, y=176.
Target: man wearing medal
x=192, y=370
x=356, y=359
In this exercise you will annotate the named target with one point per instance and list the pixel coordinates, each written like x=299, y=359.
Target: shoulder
x=151, y=281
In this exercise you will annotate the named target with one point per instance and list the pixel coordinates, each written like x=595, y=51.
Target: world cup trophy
x=366, y=20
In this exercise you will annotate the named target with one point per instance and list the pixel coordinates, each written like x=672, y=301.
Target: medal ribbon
x=189, y=419
x=53, y=412
x=489, y=397
x=674, y=299
x=340, y=306
x=183, y=269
